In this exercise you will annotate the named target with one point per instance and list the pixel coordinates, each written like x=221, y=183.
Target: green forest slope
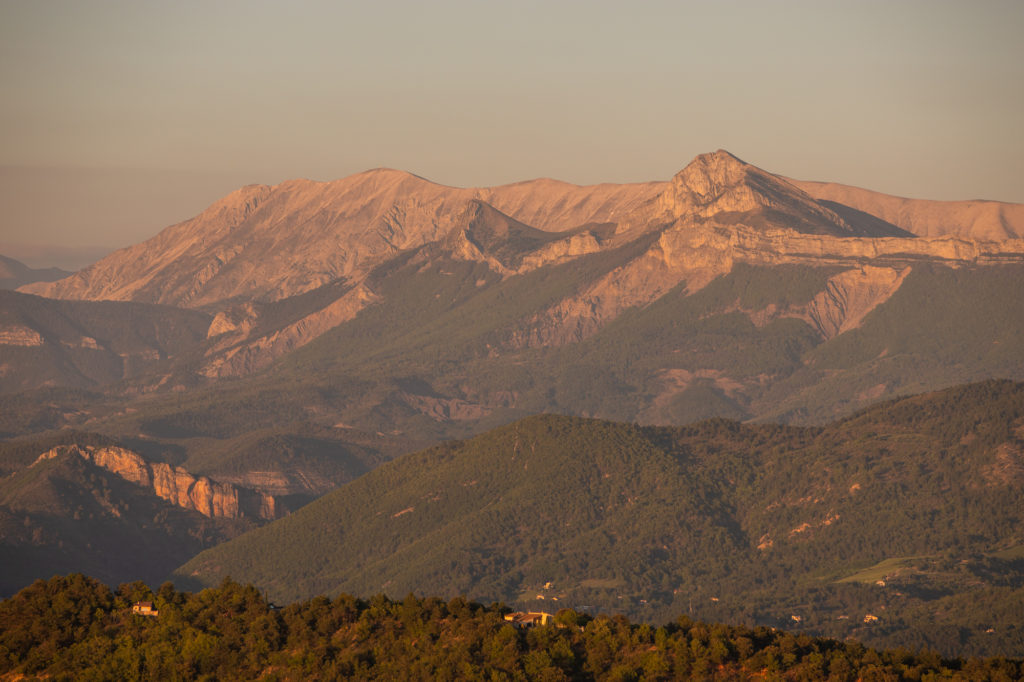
x=761, y=523
x=75, y=628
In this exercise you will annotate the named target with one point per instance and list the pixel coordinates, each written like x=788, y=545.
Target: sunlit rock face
x=175, y=484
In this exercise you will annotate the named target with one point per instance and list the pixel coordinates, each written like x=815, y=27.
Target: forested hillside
x=75, y=628
x=901, y=524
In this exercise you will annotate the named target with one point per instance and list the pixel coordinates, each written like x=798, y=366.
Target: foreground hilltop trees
x=76, y=628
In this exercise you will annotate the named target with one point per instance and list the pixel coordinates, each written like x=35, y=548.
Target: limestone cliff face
x=697, y=251
x=174, y=484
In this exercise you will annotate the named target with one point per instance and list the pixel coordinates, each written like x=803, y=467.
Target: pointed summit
x=709, y=176
x=722, y=187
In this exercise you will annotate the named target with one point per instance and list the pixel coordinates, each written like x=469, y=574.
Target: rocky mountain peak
x=721, y=186
x=711, y=175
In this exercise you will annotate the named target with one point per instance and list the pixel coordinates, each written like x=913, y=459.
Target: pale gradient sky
x=119, y=118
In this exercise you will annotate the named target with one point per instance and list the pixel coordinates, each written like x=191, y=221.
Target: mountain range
x=268, y=243
x=291, y=338
x=282, y=278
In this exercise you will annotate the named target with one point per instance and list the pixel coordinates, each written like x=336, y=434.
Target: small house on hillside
x=528, y=620
x=144, y=608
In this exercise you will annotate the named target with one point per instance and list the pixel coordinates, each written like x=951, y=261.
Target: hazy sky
x=119, y=118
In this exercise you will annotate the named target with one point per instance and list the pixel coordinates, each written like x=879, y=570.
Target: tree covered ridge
x=74, y=627
x=724, y=521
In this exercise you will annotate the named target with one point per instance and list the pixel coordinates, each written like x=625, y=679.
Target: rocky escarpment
x=850, y=296
x=842, y=305
x=235, y=352
x=20, y=335
x=695, y=252
x=174, y=484
x=720, y=211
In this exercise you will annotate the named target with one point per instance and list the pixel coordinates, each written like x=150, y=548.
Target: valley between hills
x=731, y=394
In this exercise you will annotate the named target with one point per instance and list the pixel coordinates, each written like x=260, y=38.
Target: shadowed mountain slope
x=67, y=514
x=88, y=343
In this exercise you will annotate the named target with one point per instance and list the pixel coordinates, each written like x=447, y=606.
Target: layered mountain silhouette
x=291, y=338
x=325, y=241
x=14, y=274
x=267, y=243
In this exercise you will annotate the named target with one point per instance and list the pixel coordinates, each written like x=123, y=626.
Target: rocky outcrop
x=237, y=321
x=717, y=183
x=174, y=484
x=20, y=335
x=850, y=296
x=485, y=234
x=254, y=354
x=1007, y=467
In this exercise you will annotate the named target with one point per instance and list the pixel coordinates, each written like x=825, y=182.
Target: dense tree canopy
x=76, y=628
